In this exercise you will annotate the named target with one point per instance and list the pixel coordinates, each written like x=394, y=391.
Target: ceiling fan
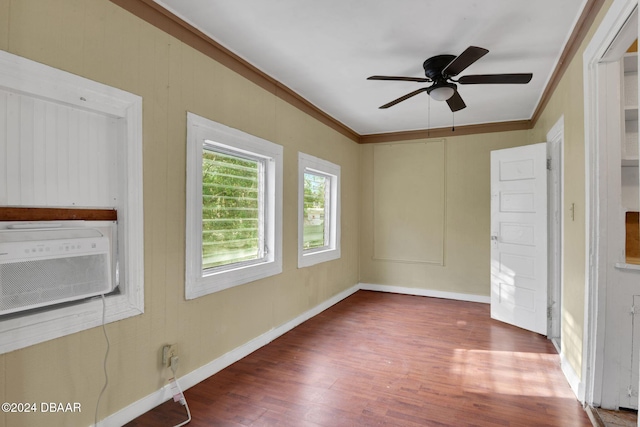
x=441, y=68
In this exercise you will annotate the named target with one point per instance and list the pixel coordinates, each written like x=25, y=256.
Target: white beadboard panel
x=26, y=159
x=13, y=150
x=3, y=148
x=61, y=165
x=55, y=154
x=39, y=159
x=51, y=187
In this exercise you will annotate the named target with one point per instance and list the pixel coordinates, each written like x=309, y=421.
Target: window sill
x=215, y=282
x=625, y=266
x=313, y=258
x=36, y=328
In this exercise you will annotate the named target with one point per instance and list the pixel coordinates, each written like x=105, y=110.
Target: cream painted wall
x=568, y=101
x=98, y=40
x=467, y=220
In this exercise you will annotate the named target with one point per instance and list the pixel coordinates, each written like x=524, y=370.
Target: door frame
x=606, y=46
x=555, y=195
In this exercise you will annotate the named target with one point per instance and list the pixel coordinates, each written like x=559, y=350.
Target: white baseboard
x=425, y=293
x=194, y=377
x=160, y=396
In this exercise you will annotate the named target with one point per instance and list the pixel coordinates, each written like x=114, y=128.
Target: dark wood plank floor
x=380, y=359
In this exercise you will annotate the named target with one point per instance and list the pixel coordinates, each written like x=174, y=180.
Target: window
x=234, y=205
x=316, y=224
x=232, y=221
x=318, y=210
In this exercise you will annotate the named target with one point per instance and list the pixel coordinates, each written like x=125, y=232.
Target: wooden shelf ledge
x=56, y=214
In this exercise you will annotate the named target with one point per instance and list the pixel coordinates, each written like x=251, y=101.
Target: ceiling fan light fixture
x=442, y=91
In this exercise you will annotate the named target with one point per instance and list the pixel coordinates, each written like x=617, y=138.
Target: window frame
x=203, y=132
x=311, y=164
x=38, y=80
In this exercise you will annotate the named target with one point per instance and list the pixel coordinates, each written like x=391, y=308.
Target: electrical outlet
x=173, y=363
x=169, y=351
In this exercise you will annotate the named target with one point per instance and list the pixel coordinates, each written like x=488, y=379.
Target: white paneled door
x=519, y=236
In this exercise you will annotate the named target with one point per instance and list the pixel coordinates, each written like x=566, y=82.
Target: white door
x=519, y=236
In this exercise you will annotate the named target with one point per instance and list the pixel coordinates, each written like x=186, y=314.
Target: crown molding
x=159, y=17
x=582, y=27
x=156, y=15
x=444, y=132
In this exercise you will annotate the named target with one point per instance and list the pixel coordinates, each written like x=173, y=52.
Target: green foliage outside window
x=230, y=209
x=315, y=191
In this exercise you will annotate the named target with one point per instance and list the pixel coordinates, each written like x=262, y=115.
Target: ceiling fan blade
x=465, y=59
x=403, y=98
x=456, y=103
x=520, y=78
x=405, y=79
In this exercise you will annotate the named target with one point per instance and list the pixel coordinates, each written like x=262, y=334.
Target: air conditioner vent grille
x=37, y=274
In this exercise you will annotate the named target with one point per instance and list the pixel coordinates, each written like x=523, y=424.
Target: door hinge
x=549, y=163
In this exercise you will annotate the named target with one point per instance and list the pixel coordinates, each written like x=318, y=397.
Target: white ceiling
x=324, y=51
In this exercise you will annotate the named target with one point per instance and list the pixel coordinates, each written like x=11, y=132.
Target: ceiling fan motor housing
x=433, y=66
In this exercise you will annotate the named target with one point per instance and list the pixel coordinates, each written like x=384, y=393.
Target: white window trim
x=197, y=283
x=311, y=257
x=32, y=78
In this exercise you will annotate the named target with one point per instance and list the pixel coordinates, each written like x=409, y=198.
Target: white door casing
x=519, y=236
x=555, y=226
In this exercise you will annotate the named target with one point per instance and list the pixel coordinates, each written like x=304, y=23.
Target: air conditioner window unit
x=41, y=267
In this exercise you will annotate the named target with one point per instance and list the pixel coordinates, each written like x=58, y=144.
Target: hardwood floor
x=380, y=359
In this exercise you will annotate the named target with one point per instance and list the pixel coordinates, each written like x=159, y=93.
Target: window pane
x=231, y=214
x=316, y=190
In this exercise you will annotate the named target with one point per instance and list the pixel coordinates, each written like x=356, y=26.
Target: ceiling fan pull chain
x=428, y=116
x=453, y=121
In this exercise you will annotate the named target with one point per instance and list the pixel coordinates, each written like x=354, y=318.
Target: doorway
x=608, y=355
x=526, y=235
